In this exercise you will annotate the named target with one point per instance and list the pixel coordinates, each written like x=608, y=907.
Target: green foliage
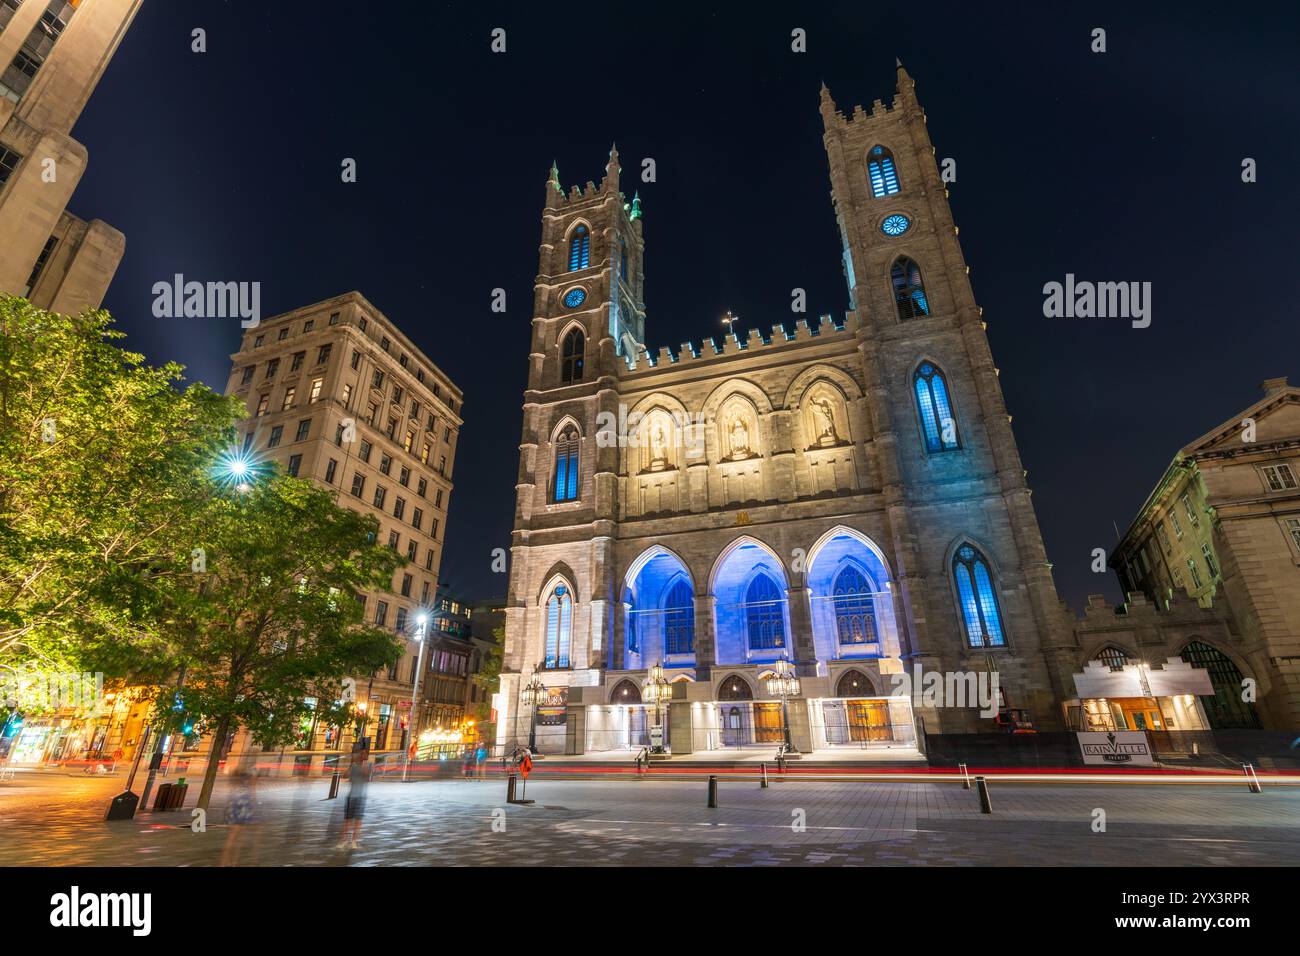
x=104, y=466
x=489, y=676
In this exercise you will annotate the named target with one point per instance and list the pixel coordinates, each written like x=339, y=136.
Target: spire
x=554, y=178
x=554, y=192
x=827, y=107
x=612, y=169
x=636, y=206
x=905, y=82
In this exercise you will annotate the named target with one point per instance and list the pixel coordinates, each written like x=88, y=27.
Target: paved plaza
x=56, y=819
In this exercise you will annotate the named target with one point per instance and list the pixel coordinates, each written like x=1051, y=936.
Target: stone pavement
x=53, y=820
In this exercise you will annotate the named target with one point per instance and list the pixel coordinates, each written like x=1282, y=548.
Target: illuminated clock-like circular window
x=574, y=298
x=895, y=225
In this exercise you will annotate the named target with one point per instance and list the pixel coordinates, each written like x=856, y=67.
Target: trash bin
x=176, y=799
x=123, y=806
x=163, y=796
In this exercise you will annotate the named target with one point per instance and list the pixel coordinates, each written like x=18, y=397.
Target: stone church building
x=845, y=496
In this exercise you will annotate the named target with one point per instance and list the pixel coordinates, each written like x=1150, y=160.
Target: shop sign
x=1116, y=748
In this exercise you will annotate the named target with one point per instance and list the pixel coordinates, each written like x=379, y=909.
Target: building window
x=284, y=334
x=580, y=249
x=381, y=494
x=1225, y=707
x=1173, y=520
x=377, y=380
x=1163, y=535
x=428, y=560
x=424, y=453
x=249, y=371
x=330, y=468
x=764, y=620
x=334, y=318
x=358, y=484
x=323, y=354
x=1208, y=553
x=411, y=548
x=36, y=48
x=1279, y=477
x=385, y=464
x=404, y=476
x=381, y=613
x=316, y=385
x=1191, y=513
x=364, y=453
x=394, y=539
x=937, y=422
x=263, y=402
x=559, y=625
x=572, y=359
x=41, y=260
x=408, y=441
x=421, y=487
x=289, y=394
x=347, y=395
x=1112, y=657
x=295, y=462
x=1195, y=572
x=9, y=161
x=297, y=361
x=272, y=367
x=274, y=440
x=679, y=619
x=7, y=10
x=304, y=429
x=406, y=585
x=979, y=602
x=399, y=508
x=855, y=607
x=442, y=465
x=881, y=172
x=437, y=499
x=566, y=465
x=356, y=359
x=909, y=289
x=257, y=342
x=417, y=519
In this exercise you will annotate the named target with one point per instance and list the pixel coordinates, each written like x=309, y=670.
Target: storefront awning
x=1174, y=678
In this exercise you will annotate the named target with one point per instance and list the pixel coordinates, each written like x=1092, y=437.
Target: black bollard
x=334, y=786
x=510, y=788
x=965, y=777
x=713, y=792
x=763, y=783
x=986, y=805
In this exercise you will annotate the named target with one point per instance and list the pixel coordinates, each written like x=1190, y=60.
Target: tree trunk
x=214, y=762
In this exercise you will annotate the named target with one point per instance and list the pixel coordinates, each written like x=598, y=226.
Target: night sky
x=1122, y=166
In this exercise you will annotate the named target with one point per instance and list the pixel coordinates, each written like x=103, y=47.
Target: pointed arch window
x=935, y=407
x=764, y=622
x=679, y=619
x=909, y=290
x=855, y=607
x=580, y=249
x=566, y=465
x=979, y=600
x=571, y=356
x=559, y=628
x=881, y=172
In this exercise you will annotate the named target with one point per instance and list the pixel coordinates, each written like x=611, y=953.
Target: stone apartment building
x=53, y=53
x=1222, y=529
x=336, y=393
x=845, y=494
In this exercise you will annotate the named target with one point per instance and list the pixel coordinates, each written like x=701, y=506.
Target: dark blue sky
x=1119, y=166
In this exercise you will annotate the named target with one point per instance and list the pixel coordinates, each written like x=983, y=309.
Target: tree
x=104, y=466
x=275, y=618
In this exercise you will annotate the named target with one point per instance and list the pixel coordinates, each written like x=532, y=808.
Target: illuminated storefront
x=1120, y=695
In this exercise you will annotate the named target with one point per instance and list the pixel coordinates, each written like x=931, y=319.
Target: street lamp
x=658, y=691
x=422, y=622
x=534, y=693
x=784, y=684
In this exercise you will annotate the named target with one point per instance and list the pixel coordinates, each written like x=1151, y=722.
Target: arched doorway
x=1225, y=710
x=735, y=711
x=854, y=684
x=857, y=716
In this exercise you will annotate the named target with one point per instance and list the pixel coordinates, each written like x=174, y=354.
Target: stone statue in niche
x=658, y=448
x=824, y=413
x=739, y=439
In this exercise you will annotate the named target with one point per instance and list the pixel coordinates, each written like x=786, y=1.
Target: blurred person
x=354, y=807
x=241, y=813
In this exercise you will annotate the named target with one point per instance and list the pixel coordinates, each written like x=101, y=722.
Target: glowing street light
x=658, y=690
x=533, y=693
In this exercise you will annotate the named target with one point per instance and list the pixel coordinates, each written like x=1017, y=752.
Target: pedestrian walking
x=354, y=807
x=241, y=814
x=480, y=761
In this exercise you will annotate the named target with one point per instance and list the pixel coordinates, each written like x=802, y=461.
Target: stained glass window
x=937, y=421
x=580, y=249
x=571, y=358
x=895, y=225
x=979, y=602
x=763, y=618
x=574, y=298
x=881, y=172
x=559, y=625
x=909, y=290
x=566, y=465
x=679, y=619
x=855, y=608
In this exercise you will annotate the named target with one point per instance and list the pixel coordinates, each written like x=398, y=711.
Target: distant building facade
x=336, y=393
x=53, y=53
x=1222, y=529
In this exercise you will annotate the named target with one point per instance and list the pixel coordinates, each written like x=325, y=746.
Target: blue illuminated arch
x=580, y=248
x=764, y=619
x=909, y=289
x=853, y=594
x=881, y=172
x=559, y=628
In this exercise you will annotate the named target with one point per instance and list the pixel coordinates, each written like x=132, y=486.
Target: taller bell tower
x=951, y=470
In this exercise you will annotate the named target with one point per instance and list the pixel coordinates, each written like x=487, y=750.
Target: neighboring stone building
x=1222, y=527
x=847, y=495
x=53, y=53
x=336, y=393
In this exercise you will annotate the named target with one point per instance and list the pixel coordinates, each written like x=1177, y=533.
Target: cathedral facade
x=845, y=496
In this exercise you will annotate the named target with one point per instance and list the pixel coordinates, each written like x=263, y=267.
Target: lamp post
x=422, y=620
x=785, y=684
x=534, y=693
x=658, y=691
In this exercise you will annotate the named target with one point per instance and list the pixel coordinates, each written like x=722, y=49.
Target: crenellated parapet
x=730, y=344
